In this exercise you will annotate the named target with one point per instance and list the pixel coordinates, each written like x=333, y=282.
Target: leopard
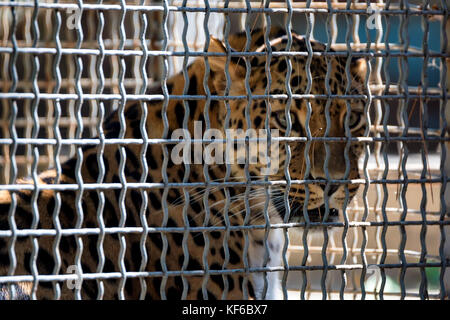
x=138, y=225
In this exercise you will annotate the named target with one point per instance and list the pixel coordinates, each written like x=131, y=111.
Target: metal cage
x=66, y=64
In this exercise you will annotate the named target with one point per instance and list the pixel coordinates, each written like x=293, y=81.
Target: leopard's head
x=316, y=112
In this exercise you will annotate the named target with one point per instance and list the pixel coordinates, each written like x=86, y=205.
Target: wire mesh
x=66, y=65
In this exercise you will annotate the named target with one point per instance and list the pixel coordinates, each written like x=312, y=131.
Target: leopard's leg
x=257, y=253
x=25, y=255
x=59, y=255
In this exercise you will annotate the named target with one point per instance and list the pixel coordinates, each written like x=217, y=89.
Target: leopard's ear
x=238, y=41
x=359, y=68
x=217, y=62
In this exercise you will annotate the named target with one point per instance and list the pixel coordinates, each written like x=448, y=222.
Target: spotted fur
x=205, y=250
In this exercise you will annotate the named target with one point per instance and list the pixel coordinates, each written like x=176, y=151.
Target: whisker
x=237, y=201
x=195, y=196
x=255, y=195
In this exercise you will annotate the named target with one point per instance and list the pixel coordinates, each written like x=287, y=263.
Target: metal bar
x=246, y=172
x=129, y=274
x=226, y=213
x=319, y=7
x=423, y=105
x=79, y=152
x=132, y=43
x=165, y=53
x=35, y=151
x=126, y=141
x=116, y=230
x=123, y=156
x=57, y=152
x=186, y=165
x=31, y=41
x=331, y=34
x=106, y=97
x=205, y=164
x=268, y=110
x=144, y=165
x=13, y=150
x=165, y=152
x=100, y=153
x=366, y=158
x=148, y=185
x=287, y=111
x=348, y=77
x=403, y=148
x=308, y=18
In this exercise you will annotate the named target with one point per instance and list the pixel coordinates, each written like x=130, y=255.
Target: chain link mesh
x=65, y=65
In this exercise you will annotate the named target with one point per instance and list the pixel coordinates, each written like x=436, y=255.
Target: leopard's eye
x=356, y=120
x=280, y=118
